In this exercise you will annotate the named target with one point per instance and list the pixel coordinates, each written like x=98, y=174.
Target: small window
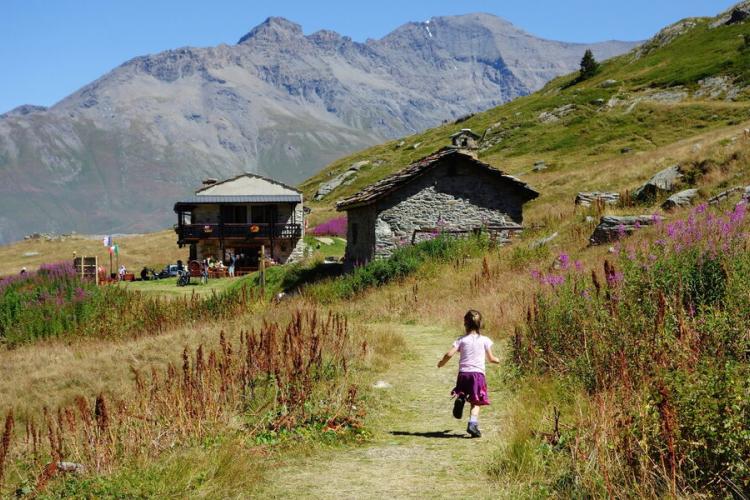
x=355, y=233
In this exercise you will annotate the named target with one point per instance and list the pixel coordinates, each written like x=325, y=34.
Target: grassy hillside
x=646, y=364
x=602, y=133
x=152, y=250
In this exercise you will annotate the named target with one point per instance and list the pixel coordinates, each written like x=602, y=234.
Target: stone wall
x=453, y=195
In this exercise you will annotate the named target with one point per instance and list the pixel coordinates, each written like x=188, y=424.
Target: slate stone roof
x=401, y=178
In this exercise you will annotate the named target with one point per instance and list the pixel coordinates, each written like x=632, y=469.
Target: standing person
x=471, y=384
x=232, y=262
x=204, y=272
x=122, y=271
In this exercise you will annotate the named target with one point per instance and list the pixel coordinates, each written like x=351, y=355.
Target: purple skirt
x=473, y=387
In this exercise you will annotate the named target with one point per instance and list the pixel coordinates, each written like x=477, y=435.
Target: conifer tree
x=589, y=66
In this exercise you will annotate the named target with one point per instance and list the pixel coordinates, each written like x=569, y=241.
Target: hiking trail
x=418, y=450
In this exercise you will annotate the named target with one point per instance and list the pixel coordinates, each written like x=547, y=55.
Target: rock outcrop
x=663, y=182
x=612, y=228
x=344, y=178
x=592, y=198
x=682, y=199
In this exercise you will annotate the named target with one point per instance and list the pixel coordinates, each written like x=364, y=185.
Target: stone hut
x=465, y=139
x=450, y=189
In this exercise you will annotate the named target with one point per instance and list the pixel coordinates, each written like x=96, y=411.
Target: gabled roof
x=250, y=176
x=466, y=131
x=403, y=177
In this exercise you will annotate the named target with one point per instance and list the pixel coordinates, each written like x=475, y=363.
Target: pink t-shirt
x=473, y=348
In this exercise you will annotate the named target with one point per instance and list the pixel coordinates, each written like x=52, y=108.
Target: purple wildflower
x=333, y=227
x=564, y=259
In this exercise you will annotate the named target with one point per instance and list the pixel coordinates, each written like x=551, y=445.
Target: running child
x=471, y=384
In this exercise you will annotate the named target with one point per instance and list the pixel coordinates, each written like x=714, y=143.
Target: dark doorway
x=247, y=257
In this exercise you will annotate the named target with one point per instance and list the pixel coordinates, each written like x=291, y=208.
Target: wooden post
x=83, y=267
x=262, y=261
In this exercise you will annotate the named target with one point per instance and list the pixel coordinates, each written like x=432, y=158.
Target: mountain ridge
x=692, y=77
x=114, y=155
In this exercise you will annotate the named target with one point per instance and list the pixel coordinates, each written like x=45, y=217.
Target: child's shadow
x=447, y=434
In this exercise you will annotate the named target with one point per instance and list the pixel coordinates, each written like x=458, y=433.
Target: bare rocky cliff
x=113, y=156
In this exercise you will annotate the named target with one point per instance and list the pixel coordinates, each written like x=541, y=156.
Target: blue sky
x=50, y=48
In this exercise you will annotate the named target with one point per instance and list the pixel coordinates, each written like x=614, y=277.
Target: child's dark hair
x=473, y=321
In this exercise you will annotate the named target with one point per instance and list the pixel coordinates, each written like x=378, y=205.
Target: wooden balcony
x=187, y=233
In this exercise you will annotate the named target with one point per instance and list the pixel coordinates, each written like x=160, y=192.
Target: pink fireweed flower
x=615, y=278
x=554, y=280
x=578, y=265
x=564, y=259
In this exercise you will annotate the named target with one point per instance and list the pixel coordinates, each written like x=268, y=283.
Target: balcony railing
x=238, y=231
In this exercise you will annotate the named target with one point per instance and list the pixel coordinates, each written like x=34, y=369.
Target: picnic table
x=218, y=272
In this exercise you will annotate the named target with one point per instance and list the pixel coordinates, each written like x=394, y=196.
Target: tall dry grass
x=268, y=378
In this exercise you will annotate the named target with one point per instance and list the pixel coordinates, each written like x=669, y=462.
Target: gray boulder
x=588, y=199
x=344, y=178
x=544, y=241
x=539, y=166
x=358, y=165
x=612, y=228
x=682, y=199
x=735, y=15
x=663, y=182
x=341, y=179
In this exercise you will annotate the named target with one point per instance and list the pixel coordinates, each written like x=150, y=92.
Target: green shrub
x=661, y=334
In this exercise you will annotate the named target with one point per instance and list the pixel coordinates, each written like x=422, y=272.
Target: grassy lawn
x=168, y=287
x=326, y=246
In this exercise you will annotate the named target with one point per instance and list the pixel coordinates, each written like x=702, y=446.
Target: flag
x=116, y=248
x=107, y=241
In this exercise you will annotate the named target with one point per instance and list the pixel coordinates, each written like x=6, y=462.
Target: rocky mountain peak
x=23, y=110
x=326, y=37
x=273, y=29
